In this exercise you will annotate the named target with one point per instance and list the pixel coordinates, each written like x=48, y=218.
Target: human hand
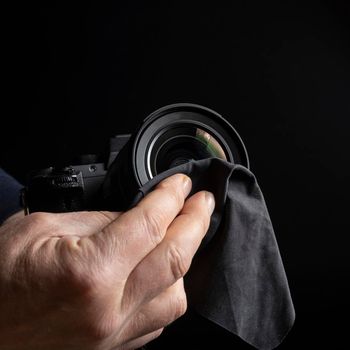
x=99, y=280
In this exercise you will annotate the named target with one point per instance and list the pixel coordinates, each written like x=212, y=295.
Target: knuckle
x=178, y=260
x=152, y=221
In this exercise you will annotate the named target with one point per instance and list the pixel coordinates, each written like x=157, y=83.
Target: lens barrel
x=168, y=137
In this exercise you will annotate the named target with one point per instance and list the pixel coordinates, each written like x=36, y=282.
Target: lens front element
x=182, y=144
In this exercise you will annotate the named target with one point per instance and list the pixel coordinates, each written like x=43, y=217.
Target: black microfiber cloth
x=237, y=278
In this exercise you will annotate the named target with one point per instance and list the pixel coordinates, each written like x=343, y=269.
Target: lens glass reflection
x=181, y=145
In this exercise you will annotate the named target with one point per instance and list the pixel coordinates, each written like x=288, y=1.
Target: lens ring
x=184, y=113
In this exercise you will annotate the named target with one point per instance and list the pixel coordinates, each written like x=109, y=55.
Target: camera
x=168, y=137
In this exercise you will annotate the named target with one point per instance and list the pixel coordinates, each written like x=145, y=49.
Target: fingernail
x=187, y=185
x=209, y=197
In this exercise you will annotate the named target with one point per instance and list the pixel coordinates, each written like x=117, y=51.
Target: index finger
x=135, y=233
x=171, y=259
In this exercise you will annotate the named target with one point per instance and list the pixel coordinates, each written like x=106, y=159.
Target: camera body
x=168, y=137
x=73, y=187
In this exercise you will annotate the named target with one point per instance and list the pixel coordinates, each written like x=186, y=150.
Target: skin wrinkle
x=175, y=256
x=151, y=222
x=113, y=248
x=108, y=215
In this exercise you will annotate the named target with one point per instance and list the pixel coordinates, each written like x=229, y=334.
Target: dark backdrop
x=278, y=71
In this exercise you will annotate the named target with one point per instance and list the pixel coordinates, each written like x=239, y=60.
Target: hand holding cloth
x=237, y=278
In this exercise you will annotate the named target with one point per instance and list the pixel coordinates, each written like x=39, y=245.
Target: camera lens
x=179, y=133
x=182, y=144
x=168, y=137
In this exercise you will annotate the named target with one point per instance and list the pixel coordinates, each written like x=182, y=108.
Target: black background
x=278, y=71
